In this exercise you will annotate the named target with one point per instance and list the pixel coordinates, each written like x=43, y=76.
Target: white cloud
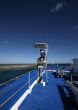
x=75, y=27
x=52, y=10
x=58, y=6
x=5, y=42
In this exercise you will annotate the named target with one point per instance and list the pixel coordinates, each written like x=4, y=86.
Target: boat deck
x=44, y=97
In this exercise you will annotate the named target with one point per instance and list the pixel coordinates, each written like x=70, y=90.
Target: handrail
x=15, y=93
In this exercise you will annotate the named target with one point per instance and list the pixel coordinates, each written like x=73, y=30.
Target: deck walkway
x=44, y=97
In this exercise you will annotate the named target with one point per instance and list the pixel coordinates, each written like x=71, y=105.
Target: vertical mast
x=42, y=60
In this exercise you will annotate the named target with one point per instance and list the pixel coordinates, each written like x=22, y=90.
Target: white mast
x=42, y=60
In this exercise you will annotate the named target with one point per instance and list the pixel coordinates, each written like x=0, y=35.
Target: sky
x=24, y=22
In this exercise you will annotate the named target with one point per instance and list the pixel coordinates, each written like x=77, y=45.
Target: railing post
x=29, y=80
x=71, y=78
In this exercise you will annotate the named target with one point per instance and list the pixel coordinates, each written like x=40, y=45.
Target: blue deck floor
x=49, y=97
x=9, y=89
x=44, y=97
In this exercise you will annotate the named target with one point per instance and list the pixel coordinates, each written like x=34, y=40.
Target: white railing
x=26, y=93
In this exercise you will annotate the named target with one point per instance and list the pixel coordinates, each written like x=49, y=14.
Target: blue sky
x=25, y=22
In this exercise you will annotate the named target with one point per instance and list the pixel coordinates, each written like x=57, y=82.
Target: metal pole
x=46, y=66
x=71, y=78
x=29, y=80
x=46, y=75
